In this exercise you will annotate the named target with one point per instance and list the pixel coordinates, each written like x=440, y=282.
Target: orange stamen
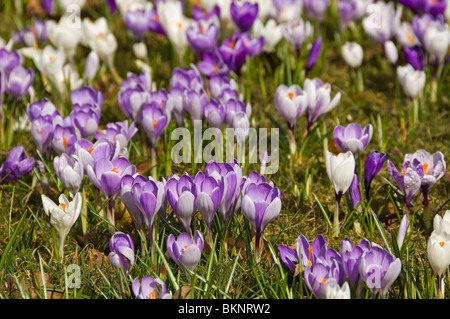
x=156, y=18
x=185, y=246
x=232, y=45
x=425, y=168
x=115, y=170
x=404, y=172
x=65, y=142
x=202, y=29
x=63, y=207
x=154, y=123
x=50, y=58
x=152, y=295
x=310, y=249
x=324, y=280
x=90, y=150
x=442, y=243
x=215, y=69
x=180, y=25
x=291, y=95
x=100, y=35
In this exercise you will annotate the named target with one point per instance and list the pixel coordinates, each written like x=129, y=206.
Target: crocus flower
x=319, y=100
x=372, y=166
x=382, y=21
x=292, y=103
x=406, y=36
x=209, y=195
x=150, y=288
x=413, y=56
x=412, y=81
x=244, y=16
x=127, y=184
x=121, y=254
x=181, y=194
x=408, y=181
x=234, y=54
x=64, y=139
x=261, y=204
x=379, y=269
x=212, y=64
x=353, y=54
x=271, y=31
x=62, y=216
x=340, y=170
x=136, y=20
x=436, y=41
x=16, y=165
x=319, y=273
x=346, y=10
x=185, y=251
x=69, y=171
x=288, y=256
x=438, y=248
x=154, y=121
x=313, y=54
x=19, y=81
x=402, y=232
x=175, y=104
x=309, y=252
x=215, y=113
x=296, y=32
x=41, y=132
x=355, y=193
x=353, y=138
x=390, y=50
x=195, y=103
x=91, y=66
x=202, y=37
x=332, y=290
x=287, y=10
x=317, y=8
x=9, y=60
x=350, y=258
x=63, y=36
x=100, y=39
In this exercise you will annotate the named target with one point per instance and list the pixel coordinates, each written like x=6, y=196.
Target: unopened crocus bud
x=244, y=15
x=91, y=66
x=391, y=51
x=340, y=170
x=353, y=54
x=436, y=41
x=372, y=166
x=313, y=54
x=140, y=50
x=355, y=193
x=69, y=171
x=402, y=231
x=121, y=254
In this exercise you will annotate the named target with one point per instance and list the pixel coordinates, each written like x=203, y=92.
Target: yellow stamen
x=180, y=25
x=50, y=58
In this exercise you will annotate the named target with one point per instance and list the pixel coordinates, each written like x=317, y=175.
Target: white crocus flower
x=353, y=54
x=437, y=40
x=340, y=170
x=64, y=35
x=406, y=36
x=411, y=80
x=62, y=216
x=172, y=19
x=391, y=51
x=441, y=225
x=125, y=5
x=272, y=33
x=438, y=248
x=332, y=290
x=68, y=6
x=100, y=39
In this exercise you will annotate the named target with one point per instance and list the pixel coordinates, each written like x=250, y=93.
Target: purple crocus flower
x=64, y=140
x=291, y=102
x=317, y=8
x=185, y=78
x=127, y=184
x=200, y=14
x=215, y=113
x=195, y=103
x=433, y=7
x=18, y=82
x=43, y=108
x=85, y=121
x=9, y=60
x=48, y=6
x=421, y=23
x=212, y=64
x=234, y=54
x=137, y=21
x=16, y=165
x=379, y=269
x=181, y=194
x=253, y=46
x=244, y=16
x=296, y=32
x=42, y=131
x=261, y=204
x=372, y=166
x=232, y=107
x=414, y=57
x=288, y=256
x=69, y=171
x=350, y=255
x=133, y=93
x=154, y=121
x=310, y=252
x=313, y=54
x=202, y=37
x=346, y=9
x=175, y=105
x=121, y=254
x=408, y=181
x=354, y=190
x=154, y=25
x=218, y=84
x=150, y=288
x=185, y=251
x=148, y=198
x=353, y=138
x=209, y=194
x=89, y=153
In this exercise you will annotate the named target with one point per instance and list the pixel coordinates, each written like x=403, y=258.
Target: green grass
x=27, y=240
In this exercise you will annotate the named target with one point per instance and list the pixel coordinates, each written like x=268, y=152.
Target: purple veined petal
x=186, y=209
x=272, y=211
x=288, y=256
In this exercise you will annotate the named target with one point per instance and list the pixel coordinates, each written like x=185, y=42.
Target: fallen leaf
x=182, y=293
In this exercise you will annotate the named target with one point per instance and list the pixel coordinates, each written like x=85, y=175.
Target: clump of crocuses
x=354, y=265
